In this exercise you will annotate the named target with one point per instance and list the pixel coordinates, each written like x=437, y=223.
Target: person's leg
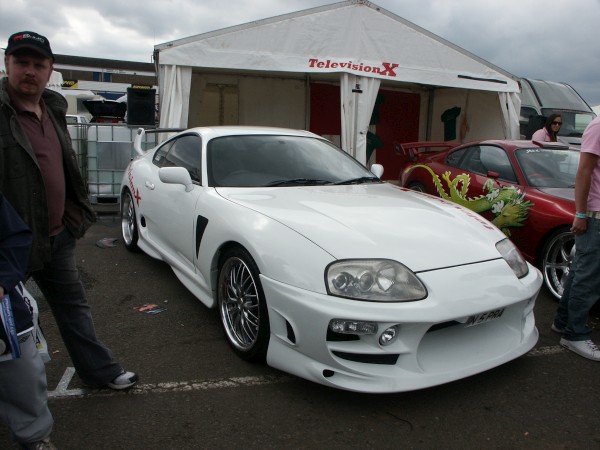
x=562, y=312
x=24, y=396
x=584, y=288
x=60, y=283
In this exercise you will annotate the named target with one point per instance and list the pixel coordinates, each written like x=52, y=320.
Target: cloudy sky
x=546, y=39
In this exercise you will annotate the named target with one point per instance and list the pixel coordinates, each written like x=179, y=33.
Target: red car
x=525, y=188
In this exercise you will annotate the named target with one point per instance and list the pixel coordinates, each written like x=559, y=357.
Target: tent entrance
x=395, y=119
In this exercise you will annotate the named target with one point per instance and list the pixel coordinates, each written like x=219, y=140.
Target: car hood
x=377, y=221
x=566, y=193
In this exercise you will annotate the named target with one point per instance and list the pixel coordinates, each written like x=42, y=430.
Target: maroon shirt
x=46, y=146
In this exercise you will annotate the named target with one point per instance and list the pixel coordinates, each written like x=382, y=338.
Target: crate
x=79, y=136
x=109, y=150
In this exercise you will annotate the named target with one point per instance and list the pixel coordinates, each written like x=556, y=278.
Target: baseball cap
x=31, y=40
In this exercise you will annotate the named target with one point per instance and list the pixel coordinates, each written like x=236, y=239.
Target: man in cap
x=40, y=177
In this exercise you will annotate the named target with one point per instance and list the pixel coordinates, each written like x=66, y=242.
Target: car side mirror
x=176, y=175
x=377, y=170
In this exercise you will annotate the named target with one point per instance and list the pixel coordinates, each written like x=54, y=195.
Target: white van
x=540, y=99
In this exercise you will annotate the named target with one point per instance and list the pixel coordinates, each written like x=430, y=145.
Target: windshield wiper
x=298, y=182
x=359, y=180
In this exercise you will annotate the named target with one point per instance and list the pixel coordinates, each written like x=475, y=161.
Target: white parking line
x=62, y=389
x=543, y=351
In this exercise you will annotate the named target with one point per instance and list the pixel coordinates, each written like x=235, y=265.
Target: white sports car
x=323, y=270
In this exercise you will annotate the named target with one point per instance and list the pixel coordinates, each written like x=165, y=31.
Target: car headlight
x=377, y=280
x=513, y=257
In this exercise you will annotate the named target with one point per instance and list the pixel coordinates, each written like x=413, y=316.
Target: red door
x=395, y=116
x=396, y=120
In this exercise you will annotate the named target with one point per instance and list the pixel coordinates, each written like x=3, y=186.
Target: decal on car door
x=507, y=203
x=135, y=192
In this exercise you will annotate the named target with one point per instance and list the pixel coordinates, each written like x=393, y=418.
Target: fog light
x=389, y=335
x=352, y=327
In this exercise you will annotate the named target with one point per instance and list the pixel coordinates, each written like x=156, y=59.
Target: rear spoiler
x=141, y=132
x=411, y=150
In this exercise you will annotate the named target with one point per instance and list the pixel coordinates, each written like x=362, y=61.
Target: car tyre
x=242, y=305
x=417, y=186
x=557, y=254
x=129, y=228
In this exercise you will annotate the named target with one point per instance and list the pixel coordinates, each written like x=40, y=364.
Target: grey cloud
x=547, y=39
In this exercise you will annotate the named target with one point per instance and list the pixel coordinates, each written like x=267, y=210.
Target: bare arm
x=583, y=180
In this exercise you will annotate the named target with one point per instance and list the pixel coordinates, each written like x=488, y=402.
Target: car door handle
x=149, y=185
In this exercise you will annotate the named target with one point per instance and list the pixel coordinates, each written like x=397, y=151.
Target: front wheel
x=242, y=305
x=556, y=260
x=129, y=228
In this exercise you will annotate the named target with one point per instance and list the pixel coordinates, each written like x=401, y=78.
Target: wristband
x=581, y=215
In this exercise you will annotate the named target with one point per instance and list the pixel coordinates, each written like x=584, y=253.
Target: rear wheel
x=557, y=255
x=242, y=305
x=129, y=228
x=417, y=186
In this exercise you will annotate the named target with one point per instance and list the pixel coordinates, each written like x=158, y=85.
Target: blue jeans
x=582, y=288
x=60, y=283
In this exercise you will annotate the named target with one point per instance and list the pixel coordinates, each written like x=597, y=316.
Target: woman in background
x=550, y=130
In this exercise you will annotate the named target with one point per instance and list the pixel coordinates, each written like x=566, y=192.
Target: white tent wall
x=174, y=94
x=273, y=101
x=510, y=102
x=352, y=37
x=220, y=99
x=481, y=115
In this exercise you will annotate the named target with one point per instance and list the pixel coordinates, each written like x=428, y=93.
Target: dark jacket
x=21, y=180
x=15, y=241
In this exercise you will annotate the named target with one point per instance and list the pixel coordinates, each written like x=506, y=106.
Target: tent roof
x=354, y=36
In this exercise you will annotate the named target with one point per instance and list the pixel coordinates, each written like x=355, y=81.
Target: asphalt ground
x=194, y=393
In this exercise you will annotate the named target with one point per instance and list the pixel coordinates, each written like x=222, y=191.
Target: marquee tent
x=355, y=45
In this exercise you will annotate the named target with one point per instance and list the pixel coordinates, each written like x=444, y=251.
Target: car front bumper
x=434, y=343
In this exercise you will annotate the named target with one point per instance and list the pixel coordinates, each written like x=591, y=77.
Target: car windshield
x=273, y=160
x=573, y=122
x=548, y=168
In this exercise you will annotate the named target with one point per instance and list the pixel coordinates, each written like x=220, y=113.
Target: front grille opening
x=387, y=359
x=442, y=325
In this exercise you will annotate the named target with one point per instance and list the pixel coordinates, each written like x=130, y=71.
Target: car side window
x=495, y=159
x=185, y=152
x=453, y=159
x=472, y=161
x=159, y=156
